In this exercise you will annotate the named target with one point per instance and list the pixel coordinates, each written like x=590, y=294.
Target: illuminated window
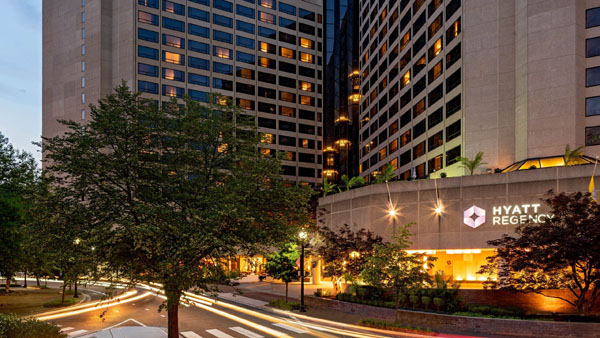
x=174, y=8
x=267, y=3
x=222, y=52
x=173, y=41
x=453, y=31
x=436, y=49
x=419, y=108
x=307, y=100
x=266, y=47
x=287, y=111
x=405, y=138
x=435, y=26
x=267, y=138
x=435, y=72
x=245, y=73
x=287, y=53
x=289, y=97
x=266, y=151
x=393, y=146
x=306, y=43
x=305, y=57
x=383, y=49
x=405, y=40
x=405, y=79
x=306, y=86
x=266, y=62
x=382, y=153
x=174, y=75
x=304, y=143
x=266, y=17
x=173, y=58
x=435, y=164
x=330, y=159
x=246, y=104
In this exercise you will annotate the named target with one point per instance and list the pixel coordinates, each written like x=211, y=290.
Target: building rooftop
x=546, y=162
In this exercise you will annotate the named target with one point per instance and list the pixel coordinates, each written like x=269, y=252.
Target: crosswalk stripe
x=291, y=328
x=66, y=329
x=245, y=332
x=219, y=333
x=76, y=333
x=190, y=334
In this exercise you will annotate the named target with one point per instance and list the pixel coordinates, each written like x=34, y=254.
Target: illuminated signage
x=515, y=214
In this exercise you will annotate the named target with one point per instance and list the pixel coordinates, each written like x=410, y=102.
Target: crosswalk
x=237, y=331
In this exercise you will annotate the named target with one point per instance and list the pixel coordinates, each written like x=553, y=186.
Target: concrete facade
x=522, y=67
x=267, y=56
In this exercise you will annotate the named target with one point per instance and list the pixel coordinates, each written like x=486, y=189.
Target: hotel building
x=266, y=55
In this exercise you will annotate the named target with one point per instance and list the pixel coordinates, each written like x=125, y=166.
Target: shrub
x=283, y=305
x=438, y=302
x=426, y=300
x=414, y=300
x=496, y=311
x=57, y=302
x=12, y=326
x=367, y=292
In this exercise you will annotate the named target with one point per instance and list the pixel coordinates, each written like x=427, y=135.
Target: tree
x=350, y=183
x=328, y=187
x=386, y=175
x=11, y=216
x=562, y=252
x=174, y=191
x=395, y=269
x=345, y=252
x=282, y=265
x=571, y=157
x=471, y=165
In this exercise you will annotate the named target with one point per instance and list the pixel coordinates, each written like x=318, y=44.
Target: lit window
x=267, y=47
x=246, y=104
x=382, y=153
x=173, y=57
x=304, y=143
x=405, y=79
x=267, y=138
x=267, y=3
x=223, y=52
x=173, y=41
x=169, y=74
x=436, y=49
x=305, y=57
x=306, y=43
x=405, y=40
x=286, y=53
x=266, y=17
x=307, y=100
x=307, y=86
x=286, y=111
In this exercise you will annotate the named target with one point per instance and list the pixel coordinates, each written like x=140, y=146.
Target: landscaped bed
x=24, y=302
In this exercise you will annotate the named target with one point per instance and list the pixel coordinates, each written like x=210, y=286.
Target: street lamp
x=75, y=294
x=303, y=236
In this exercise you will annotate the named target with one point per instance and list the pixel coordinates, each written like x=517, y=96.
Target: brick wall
x=465, y=325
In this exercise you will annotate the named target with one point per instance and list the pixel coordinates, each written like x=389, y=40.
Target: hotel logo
x=474, y=222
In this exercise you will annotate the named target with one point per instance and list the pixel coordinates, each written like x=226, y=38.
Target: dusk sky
x=21, y=73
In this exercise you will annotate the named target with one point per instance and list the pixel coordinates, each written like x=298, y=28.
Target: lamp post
x=75, y=294
x=302, y=235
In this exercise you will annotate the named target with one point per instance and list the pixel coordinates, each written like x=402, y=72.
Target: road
x=206, y=318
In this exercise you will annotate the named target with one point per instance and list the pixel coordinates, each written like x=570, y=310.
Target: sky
x=21, y=73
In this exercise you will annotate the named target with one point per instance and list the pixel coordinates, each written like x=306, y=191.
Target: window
x=147, y=3
x=83, y=82
x=435, y=118
x=453, y=56
x=266, y=17
x=305, y=14
x=436, y=94
x=287, y=141
x=266, y=47
x=198, y=63
x=452, y=7
x=82, y=17
x=306, y=143
x=147, y=87
x=305, y=71
x=592, y=47
x=244, y=26
x=244, y=57
x=592, y=106
x=174, y=58
x=198, y=14
x=244, y=11
x=266, y=107
x=306, y=114
x=307, y=43
x=306, y=57
x=287, y=53
x=306, y=172
x=173, y=41
x=147, y=52
x=144, y=34
x=307, y=158
x=435, y=164
x=405, y=138
x=419, y=129
x=223, y=53
x=306, y=29
x=382, y=153
x=222, y=68
x=198, y=30
x=419, y=66
x=222, y=84
x=452, y=155
x=592, y=136
x=147, y=70
x=202, y=2
x=419, y=150
x=198, y=79
x=148, y=18
x=268, y=4
x=245, y=103
x=435, y=72
x=267, y=93
x=172, y=74
x=173, y=24
x=83, y=49
x=453, y=131
x=592, y=17
x=287, y=126
x=267, y=32
x=435, y=141
x=223, y=5
x=267, y=123
x=453, y=31
x=454, y=80
x=199, y=47
x=453, y=105
x=306, y=86
x=287, y=67
x=83, y=66
x=172, y=91
x=244, y=42
x=288, y=97
x=289, y=38
x=405, y=80
x=306, y=129
x=175, y=8
x=222, y=36
x=393, y=147
x=435, y=26
x=288, y=9
x=287, y=23
x=267, y=63
x=419, y=108
x=83, y=33
x=435, y=49
x=307, y=100
x=222, y=21
x=197, y=95
x=245, y=88
x=83, y=114
x=405, y=158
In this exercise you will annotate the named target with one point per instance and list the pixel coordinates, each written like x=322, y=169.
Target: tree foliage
x=173, y=191
x=471, y=165
x=350, y=183
x=571, y=156
x=394, y=268
x=345, y=251
x=282, y=265
x=386, y=175
x=328, y=187
x=563, y=252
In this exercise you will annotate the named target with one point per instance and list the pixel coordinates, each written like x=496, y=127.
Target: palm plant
x=571, y=156
x=328, y=187
x=387, y=174
x=349, y=183
x=471, y=165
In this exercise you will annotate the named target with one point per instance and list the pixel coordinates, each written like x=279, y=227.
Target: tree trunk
x=286, y=292
x=173, y=318
x=397, y=305
x=62, y=301
x=75, y=295
x=7, y=286
x=37, y=280
x=25, y=281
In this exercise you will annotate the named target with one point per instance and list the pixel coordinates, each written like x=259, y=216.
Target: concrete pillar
x=316, y=271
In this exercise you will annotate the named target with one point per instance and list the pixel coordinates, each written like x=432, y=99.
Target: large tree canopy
x=173, y=190
x=563, y=252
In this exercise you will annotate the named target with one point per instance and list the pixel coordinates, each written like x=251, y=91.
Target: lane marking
x=218, y=333
x=67, y=329
x=76, y=333
x=125, y=321
x=190, y=334
x=245, y=332
x=147, y=309
x=291, y=328
x=162, y=316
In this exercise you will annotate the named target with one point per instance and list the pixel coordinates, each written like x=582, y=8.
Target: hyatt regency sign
x=505, y=215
